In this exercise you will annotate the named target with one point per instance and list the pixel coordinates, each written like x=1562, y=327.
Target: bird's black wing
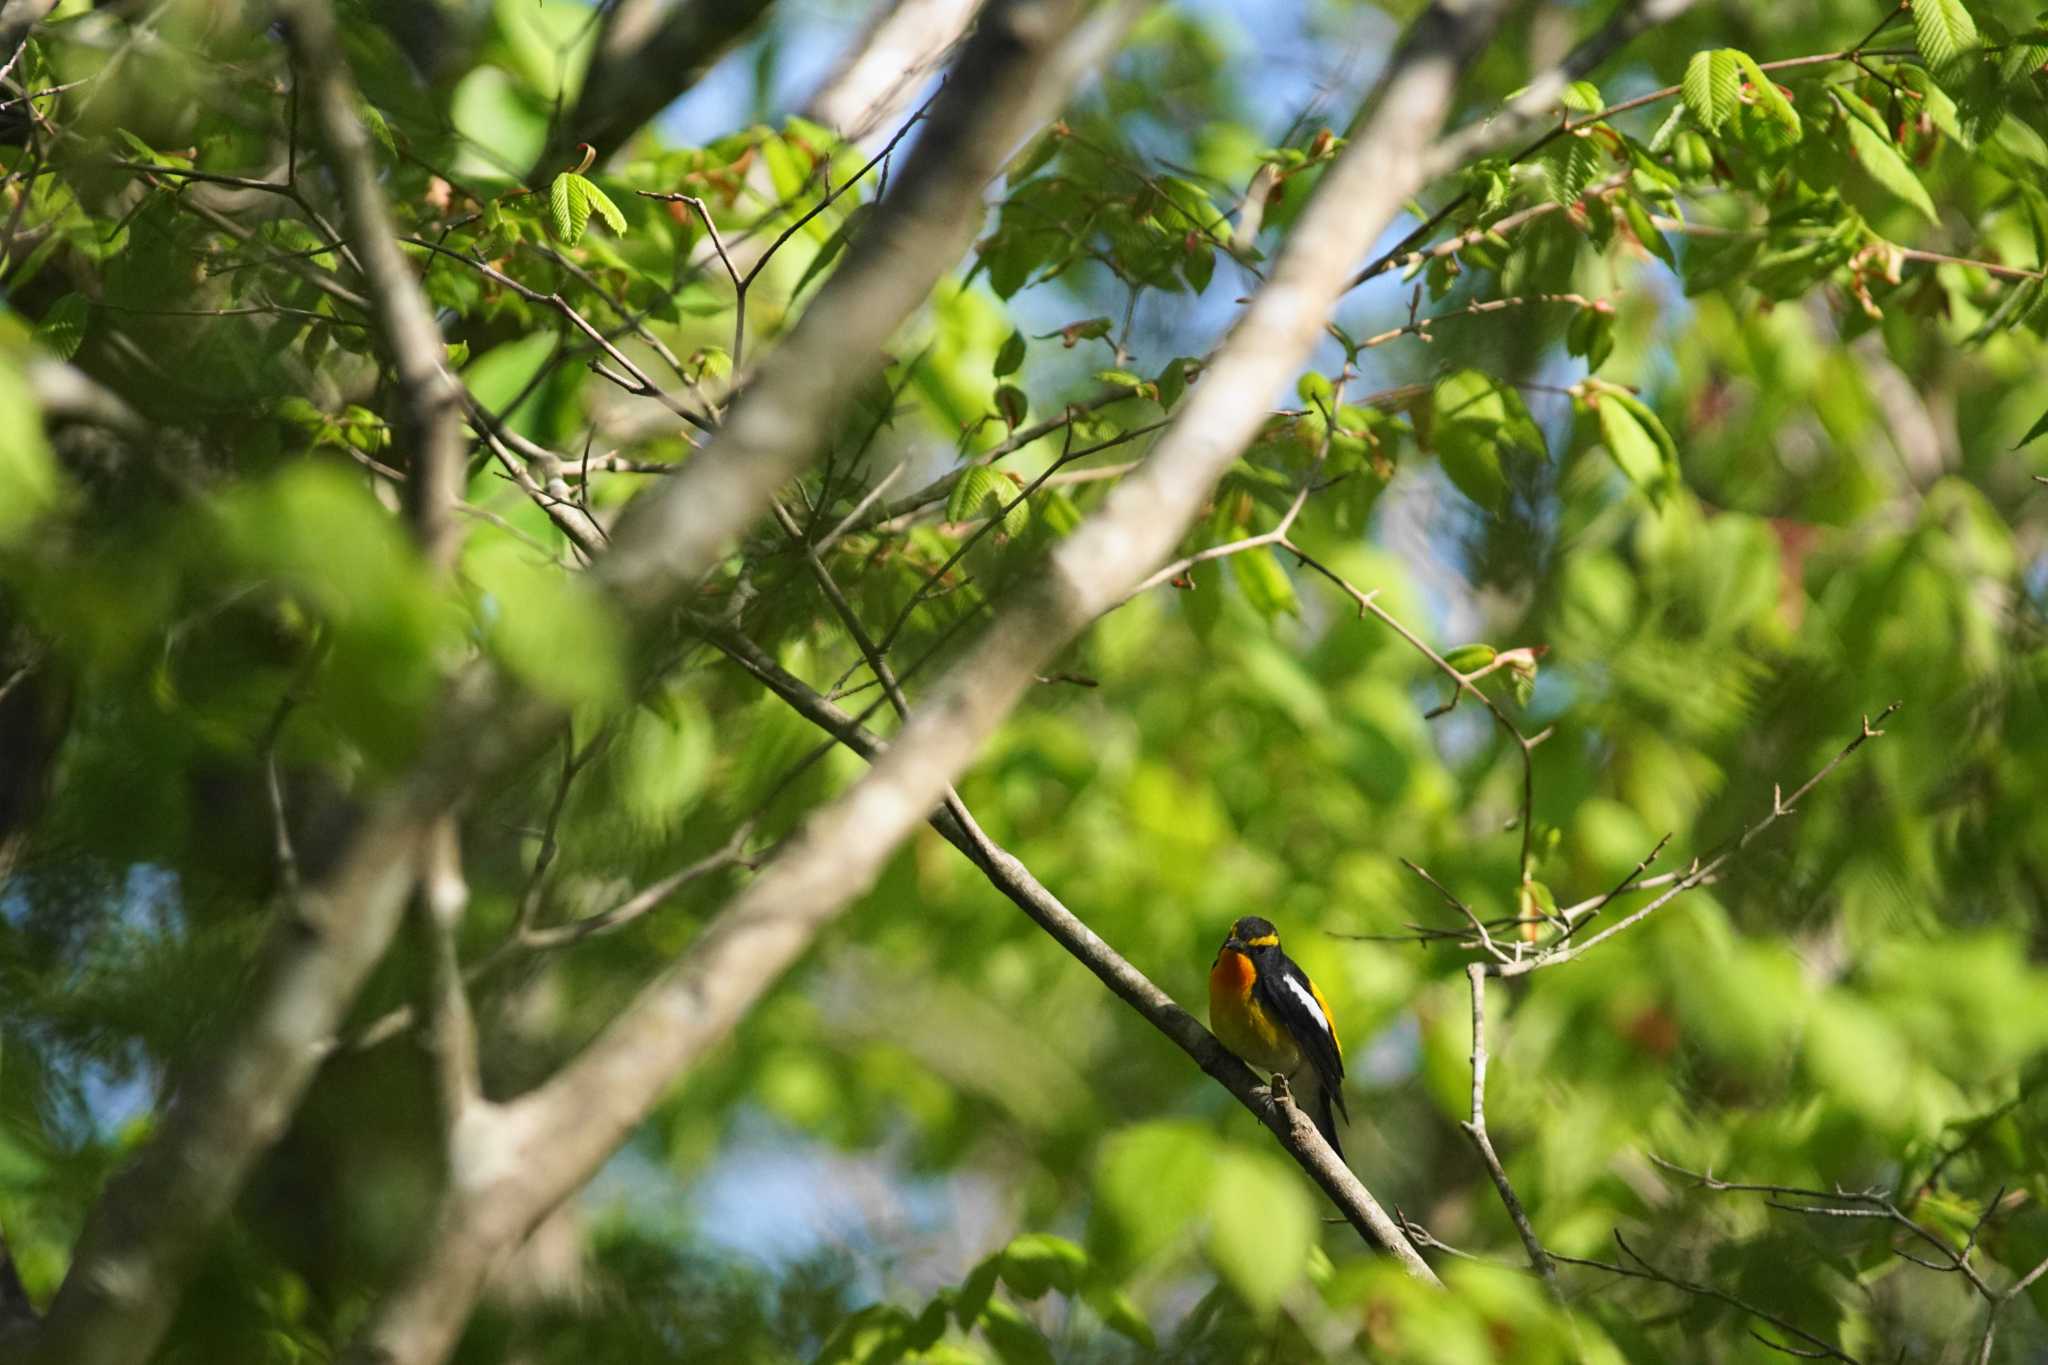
x=1285, y=992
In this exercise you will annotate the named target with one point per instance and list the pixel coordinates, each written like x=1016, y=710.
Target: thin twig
x=1816, y=1348
x=1475, y=1129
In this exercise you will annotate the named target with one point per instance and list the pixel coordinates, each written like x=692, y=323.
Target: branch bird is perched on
x=1265, y=1009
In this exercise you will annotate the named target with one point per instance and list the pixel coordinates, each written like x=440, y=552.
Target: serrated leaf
x=1936, y=104
x=1011, y=357
x=601, y=203
x=970, y=491
x=1712, y=87
x=1582, y=97
x=1015, y=509
x=373, y=119
x=1881, y=159
x=1569, y=165
x=62, y=328
x=1943, y=31
x=568, y=209
x=1769, y=98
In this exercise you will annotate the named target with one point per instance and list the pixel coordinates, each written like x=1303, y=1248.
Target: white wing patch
x=1308, y=1001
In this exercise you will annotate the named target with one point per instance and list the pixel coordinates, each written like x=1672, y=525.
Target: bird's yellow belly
x=1244, y=1026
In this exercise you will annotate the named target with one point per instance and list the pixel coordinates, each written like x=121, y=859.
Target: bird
x=1265, y=1009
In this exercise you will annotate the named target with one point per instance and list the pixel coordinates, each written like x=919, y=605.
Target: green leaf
x=28, y=475
x=1038, y=1261
x=62, y=328
x=1465, y=658
x=549, y=627
x=1769, y=98
x=1015, y=1339
x=789, y=169
x=1646, y=231
x=1261, y=1226
x=1151, y=1180
x=970, y=492
x=1173, y=380
x=1569, y=165
x=1264, y=583
x=1480, y=424
x=1316, y=392
x=1032, y=159
x=1013, y=404
x=875, y=1335
x=568, y=208
x=1582, y=97
x=1943, y=31
x=1880, y=157
x=2034, y=432
x=1590, y=333
x=1712, y=87
x=1639, y=444
x=602, y=204
x=971, y=1299
x=380, y=130
x=1011, y=357
x=661, y=762
x=1121, y=1315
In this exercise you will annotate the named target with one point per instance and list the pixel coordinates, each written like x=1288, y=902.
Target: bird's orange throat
x=1232, y=973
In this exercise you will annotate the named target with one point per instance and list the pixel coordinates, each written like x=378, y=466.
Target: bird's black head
x=1253, y=931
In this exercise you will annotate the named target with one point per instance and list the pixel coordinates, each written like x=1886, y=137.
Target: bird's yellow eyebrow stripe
x=1263, y=941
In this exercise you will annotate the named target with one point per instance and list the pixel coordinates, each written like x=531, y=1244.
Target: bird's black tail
x=1321, y=1104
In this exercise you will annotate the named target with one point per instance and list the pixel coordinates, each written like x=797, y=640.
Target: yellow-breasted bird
x=1266, y=1010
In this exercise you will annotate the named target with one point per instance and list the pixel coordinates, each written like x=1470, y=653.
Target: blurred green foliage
x=1728, y=401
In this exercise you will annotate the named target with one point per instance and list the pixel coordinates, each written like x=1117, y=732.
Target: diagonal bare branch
x=429, y=429
x=1009, y=875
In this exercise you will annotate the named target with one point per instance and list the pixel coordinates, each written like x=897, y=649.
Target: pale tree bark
x=17, y=17
x=428, y=427
x=877, y=83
